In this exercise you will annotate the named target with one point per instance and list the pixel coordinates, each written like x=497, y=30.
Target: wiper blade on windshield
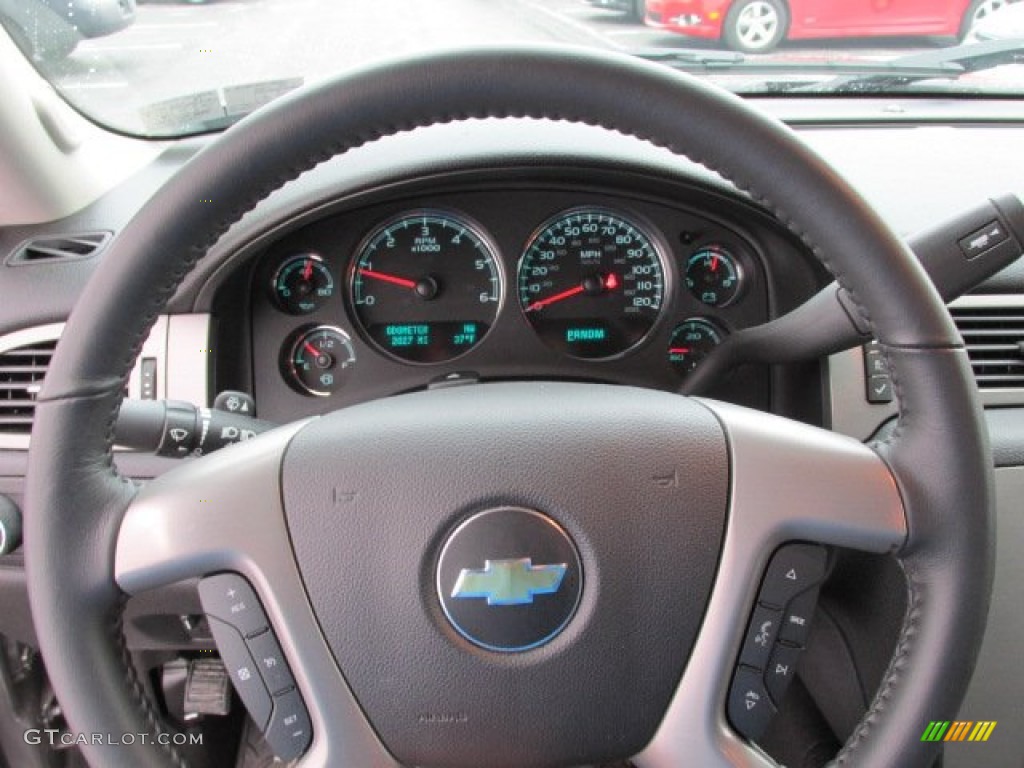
x=957, y=61
x=710, y=62
x=212, y=110
x=861, y=75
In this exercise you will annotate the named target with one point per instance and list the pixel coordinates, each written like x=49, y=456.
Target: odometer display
x=592, y=283
x=425, y=286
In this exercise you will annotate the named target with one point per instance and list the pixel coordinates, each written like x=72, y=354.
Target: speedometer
x=592, y=283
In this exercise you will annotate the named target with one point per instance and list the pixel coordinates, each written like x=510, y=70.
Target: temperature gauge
x=691, y=342
x=713, y=276
x=302, y=284
x=318, y=360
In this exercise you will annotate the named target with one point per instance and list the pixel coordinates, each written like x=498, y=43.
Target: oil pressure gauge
x=691, y=342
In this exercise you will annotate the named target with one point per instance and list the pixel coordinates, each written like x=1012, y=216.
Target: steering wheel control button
x=289, y=731
x=509, y=579
x=879, y=390
x=750, y=709
x=271, y=662
x=761, y=634
x=877, y=377
x=796, y=619
x=793, y=569
x=781, y=670
x=228, y=597
x=244, y=673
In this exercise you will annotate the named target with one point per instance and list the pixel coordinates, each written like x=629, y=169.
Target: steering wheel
x=667, y=509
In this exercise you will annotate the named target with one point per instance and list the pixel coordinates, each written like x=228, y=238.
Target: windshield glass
x=162, y=68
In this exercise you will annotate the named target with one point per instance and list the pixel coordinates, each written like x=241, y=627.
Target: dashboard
x=538, y=274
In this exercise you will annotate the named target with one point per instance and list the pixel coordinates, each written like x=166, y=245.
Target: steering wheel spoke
x=790, y=482
x=223, y=514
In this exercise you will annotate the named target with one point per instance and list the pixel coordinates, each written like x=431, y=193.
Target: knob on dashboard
x=10, y=525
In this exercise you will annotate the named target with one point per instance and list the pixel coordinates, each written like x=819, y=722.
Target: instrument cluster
x=582, y=289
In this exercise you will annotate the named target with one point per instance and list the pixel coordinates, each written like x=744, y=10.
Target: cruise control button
x=761, y=633
x=793, y=569
x=244, y=673
x=271, y=662
x=750, y=709
x=796, y=619
x=781, y=670
x=229, y=597
x=289, y=731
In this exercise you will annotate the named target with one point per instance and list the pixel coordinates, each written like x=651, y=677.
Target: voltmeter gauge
x=302, y=284
x=318, y=360
x=713, y=276
x=691, y=342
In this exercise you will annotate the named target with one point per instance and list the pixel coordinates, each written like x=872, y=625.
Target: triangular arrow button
x=792, y=574
x=751, y=704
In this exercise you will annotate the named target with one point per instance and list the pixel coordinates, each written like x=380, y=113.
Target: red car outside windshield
x=759, y=25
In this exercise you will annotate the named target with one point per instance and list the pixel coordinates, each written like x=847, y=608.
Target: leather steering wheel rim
x=938, y=454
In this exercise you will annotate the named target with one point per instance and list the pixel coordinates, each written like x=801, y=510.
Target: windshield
x=175, y=67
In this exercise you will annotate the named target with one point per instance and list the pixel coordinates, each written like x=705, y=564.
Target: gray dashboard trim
x=850, y=413
x=9, y=341
x=180, y=344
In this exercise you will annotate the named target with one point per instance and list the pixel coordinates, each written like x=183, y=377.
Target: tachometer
x=425, y=286
x=592, y=283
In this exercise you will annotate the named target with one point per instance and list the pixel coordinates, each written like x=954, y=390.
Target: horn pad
x=511, y=574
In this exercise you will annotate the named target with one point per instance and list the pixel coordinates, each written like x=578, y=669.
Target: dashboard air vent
x=60, y=248
x=995, y=343
x=21, y=376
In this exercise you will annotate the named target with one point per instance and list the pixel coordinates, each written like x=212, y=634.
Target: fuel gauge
x=318, y=360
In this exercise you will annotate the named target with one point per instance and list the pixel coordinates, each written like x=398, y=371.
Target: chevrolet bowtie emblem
x=509, y=582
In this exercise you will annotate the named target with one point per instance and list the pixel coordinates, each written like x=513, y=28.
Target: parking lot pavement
x=174, y=47
x=245, y=41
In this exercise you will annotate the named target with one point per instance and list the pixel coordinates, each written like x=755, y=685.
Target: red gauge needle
x=591, y=285
x=714, y=263
x=386, y=278
x=575, y=291
x=679, y=351
x=307, y=271
x=312, y=350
